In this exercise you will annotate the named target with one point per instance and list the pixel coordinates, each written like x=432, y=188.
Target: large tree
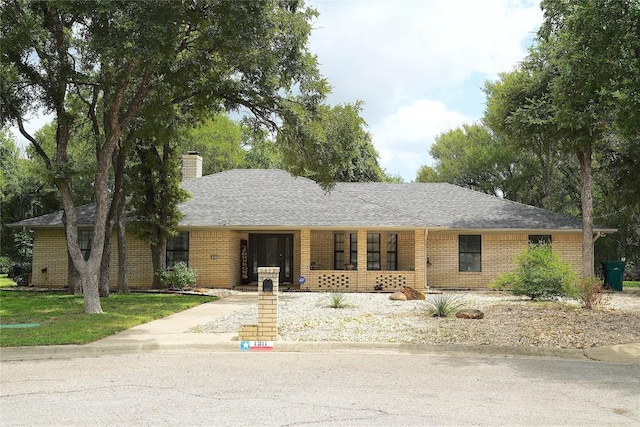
x=471, y=157
x=157, y=193
x=332, y=136
x=578, y=84
x=218, y=139
x=116, y=55
x=593, y=48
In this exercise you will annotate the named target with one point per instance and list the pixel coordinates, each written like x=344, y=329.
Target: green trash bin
x=613, y=272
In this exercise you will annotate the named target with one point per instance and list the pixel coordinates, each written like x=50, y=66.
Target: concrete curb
x=95, y=349
x=622, y=353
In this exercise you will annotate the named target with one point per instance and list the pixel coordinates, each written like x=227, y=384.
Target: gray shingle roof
x=273, y=198
x=85, y=213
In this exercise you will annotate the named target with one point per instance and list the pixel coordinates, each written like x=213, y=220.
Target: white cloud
x=404, y=49
x=403, y=138
x=396, y=55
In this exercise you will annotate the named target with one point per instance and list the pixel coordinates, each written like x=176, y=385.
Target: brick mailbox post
x=267, y=327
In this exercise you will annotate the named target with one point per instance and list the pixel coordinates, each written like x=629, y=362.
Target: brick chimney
x=191, y=165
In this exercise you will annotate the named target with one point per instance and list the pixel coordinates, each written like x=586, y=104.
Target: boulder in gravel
x=398, y=296
x=412, y=294
x=469, y=314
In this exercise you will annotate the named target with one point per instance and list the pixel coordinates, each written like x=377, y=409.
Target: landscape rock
x=398, y=296
x=413, y=294
x=509, y=321
x=469, y=314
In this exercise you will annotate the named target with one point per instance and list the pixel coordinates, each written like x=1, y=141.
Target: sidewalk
x=169, y=334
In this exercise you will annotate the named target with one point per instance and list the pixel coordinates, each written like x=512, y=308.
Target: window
x=178, y=248
x=470, y=253
x=392, y=251
x=338, y=251
x=85, y=239
x=353, y=249
x=373, y=251
x=539, y=239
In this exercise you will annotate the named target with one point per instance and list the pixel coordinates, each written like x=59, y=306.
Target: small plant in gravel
x=589, y=292
x=444, y=305
x=337, y=300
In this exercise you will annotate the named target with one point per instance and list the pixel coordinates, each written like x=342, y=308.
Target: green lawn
x=62, y=319
x=630, y=285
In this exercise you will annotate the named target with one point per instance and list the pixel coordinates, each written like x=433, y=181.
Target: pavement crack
x=375, y=413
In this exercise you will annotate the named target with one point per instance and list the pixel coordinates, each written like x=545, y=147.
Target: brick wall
x=191, y=166
x=50, y=253
x=498, y=253
x=140, y=266
x=322, y=244
x=569, y=246
x=50, y=260
x=216, y=256
x=406, y=254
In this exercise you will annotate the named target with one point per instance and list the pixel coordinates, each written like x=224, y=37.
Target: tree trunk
x=105, y=263
x=159, y=258
x=123, y=286
x=584, y=157
x=74, y=279
x=119, y=160
x=547, y=174
x=92, y=295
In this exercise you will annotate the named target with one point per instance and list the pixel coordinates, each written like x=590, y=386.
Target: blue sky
x=418, y=65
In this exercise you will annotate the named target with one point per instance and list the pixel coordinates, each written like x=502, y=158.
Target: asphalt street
x=310, y=389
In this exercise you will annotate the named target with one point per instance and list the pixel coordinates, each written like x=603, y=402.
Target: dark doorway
x=271, y=250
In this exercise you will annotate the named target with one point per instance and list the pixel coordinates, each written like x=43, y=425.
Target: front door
x=271, y=250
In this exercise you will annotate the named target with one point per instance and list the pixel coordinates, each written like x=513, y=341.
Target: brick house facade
x=359, y=237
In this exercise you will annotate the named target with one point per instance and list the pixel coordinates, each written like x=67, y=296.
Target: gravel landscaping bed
x=508, y=321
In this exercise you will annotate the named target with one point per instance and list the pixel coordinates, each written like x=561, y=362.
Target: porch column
x=362, y=260
x=420, y=239
x=305, y=254
x=426, y=259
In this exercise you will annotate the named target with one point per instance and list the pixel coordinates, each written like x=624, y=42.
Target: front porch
x=360, y=260
x=326, y=259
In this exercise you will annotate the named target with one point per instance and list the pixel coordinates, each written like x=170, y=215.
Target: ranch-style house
x=358, y=237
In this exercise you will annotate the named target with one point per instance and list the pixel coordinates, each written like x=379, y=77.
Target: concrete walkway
x=170, y=334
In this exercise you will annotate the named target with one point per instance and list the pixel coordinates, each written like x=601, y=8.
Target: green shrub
x=5, y=264
x=540, y=274
x=631, y=271
x=443, y=305
x=181, y=276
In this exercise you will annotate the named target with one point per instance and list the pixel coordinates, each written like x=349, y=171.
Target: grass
x=628, y=284
x=5, y=282
x=63, y=321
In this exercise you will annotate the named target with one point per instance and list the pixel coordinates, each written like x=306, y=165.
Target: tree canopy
x=120, y=58
x=572, y=104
